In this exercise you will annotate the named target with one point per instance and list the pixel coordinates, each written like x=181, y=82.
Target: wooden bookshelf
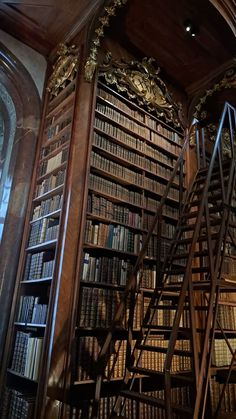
x=132, y=156
x=39, y=275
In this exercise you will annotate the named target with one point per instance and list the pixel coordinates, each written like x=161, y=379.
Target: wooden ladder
x=188, y=287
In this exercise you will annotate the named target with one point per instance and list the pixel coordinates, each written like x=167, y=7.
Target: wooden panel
x=42, y=25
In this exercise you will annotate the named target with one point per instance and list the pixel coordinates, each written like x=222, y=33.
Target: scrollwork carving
x=141, y=81
x=64, y=69
x=103, y=21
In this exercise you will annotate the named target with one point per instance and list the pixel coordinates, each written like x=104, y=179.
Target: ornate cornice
x=140, y=81
x=227, y=82
x=103, y=21
x=64, y=68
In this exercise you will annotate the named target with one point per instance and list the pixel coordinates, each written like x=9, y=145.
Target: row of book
x=98, y=205
x=226, y=316
x=165, y=316
x=167, y=229
x=121, y=105
x=59, y=113
x=48, y=206
x=88, y=350
x=31, y=310
x=155, y=360
x=116, y=149
x=141, y=117
x=121, y=119
x=134, y=409
x=45, y=151
x=111, y=236
x=98, y=307
x=113, y=189
x=228, y=404
x=50, y=183
x=116, y=169
x=151, y=204
x=38, y=266
x=16, y=405
x=26, y=355
x=53, y=163
x=53, y=130
x=230, y=250
x=158, y=188
x=159, y=141
x=130, y=156
x=110, y=270
x=221, y=355
x=143, y=146
x=43, y=230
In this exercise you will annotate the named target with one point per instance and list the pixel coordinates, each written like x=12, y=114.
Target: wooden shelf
x=37, y=325
x=53, y=214
x=52, y=172
x=49, y=193
x=37, y=281
x=50, y=244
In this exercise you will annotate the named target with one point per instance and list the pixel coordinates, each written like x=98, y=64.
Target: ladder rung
x=186, y=255
x=180, y=271
x=183, y=377
x=153, y=401
x=200, y=239
x=194, y=214
x=151, y=348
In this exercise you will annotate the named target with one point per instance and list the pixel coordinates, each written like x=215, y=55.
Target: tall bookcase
x=132, y=157
x=39, y=277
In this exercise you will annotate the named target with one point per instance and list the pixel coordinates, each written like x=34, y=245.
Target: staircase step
x=197, y=285
x=167, y=329
x=183, y=377
x=160, y=349
x=153, y=401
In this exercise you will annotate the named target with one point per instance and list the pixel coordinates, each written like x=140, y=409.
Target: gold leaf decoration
x=64, y=68
x=91, y=62
x=141, y=81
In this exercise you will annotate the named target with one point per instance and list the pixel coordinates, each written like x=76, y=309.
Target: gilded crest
x=141, y=81
x=64, y=69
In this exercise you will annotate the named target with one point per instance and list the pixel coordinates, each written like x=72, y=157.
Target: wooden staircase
x=178, y=325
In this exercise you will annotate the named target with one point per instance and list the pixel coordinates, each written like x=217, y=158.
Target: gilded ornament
x=64, y=69
x=91, y=63
x=140, y=81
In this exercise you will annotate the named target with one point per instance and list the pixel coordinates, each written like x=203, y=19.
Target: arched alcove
x=19, y=121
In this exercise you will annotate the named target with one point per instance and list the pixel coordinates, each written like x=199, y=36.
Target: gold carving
x=227, y=82
x=64, y=69
x=140, y=81
x=103, y=21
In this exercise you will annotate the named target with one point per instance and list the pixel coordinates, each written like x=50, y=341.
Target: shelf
x=137, y=121
x=62, y=104
x=137, y=107
x=94, y=284
x=17, y=374
x=53, y=214
x=110, y=250
x=60, y=94
x=49, y=193
x=48, y=141
x=61, y=117
x=134, y=134
x=55, y=170
x=128, y=164
x=115, y=199
x=50, y=244
x=55, y=152
x=38, y=281
x=111, y=221
x=38, y=325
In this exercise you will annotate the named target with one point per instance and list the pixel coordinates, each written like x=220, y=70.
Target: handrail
x=167, y=367
x=131, y=282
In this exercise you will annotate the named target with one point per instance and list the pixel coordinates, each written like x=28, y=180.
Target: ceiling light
x=190, y=28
